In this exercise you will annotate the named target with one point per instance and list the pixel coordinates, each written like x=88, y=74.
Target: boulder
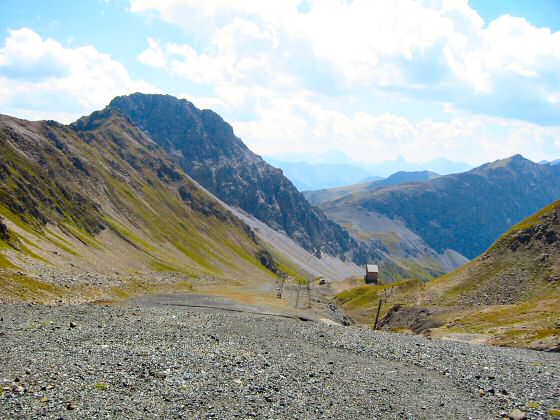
x=4, y=233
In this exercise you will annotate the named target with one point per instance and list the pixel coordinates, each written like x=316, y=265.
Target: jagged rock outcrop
x=205, y=146
x=4, y=234
x=268, y=261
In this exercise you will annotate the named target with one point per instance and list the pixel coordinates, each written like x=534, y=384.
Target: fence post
x=377, y=315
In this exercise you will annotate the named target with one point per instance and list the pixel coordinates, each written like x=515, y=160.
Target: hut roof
x=372, y=268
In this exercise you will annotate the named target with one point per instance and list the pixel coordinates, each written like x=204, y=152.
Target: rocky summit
x=205, y=146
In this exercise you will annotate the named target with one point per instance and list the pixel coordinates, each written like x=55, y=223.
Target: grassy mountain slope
x=102, y=196
x=204, y=145
x=465, y=212
x=510, y=295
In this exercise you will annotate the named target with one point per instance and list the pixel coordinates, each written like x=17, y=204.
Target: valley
x=244, y=209
x=428, y=225
x=152, y=195
x=148, y=228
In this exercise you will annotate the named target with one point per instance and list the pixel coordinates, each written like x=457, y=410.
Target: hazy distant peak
x=513, y=162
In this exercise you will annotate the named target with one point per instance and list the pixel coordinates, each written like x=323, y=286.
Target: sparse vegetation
x=510, y=294
x=162, y=220
x=101, y=386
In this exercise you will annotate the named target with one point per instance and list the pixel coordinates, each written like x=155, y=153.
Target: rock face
x=466, y=212
x=204, y=145
x=4, y=234
x=267, y=260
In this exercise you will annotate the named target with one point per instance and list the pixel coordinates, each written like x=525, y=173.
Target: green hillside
x=104, y=197
x=510, y=295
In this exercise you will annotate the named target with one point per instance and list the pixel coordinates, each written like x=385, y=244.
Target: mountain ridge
x=466, y=212
x=205, y=146
x=382, y=169
x=100, y=210
x=316, y=197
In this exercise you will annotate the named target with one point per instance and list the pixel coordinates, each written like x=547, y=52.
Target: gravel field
x=129, y=361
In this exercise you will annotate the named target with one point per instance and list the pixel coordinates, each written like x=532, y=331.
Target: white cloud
x=424, y=49
x=297, y=126
x=154, y=56
x=289, y=75
x=39, y=78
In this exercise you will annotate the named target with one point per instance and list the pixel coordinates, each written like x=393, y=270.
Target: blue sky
x=471, y=81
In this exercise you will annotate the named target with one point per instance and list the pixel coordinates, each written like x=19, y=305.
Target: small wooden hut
x=372, y=274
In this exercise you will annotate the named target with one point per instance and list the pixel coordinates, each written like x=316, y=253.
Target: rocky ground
x=140, y=360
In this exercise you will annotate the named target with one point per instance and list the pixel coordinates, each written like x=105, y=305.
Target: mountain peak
x=515, y=162
x=139, y=96
x=206, y=148
x=518, y=158
x=512, y=159
x=96, y=119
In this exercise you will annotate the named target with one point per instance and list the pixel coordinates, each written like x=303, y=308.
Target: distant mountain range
x=335, y=169
x=320, y=196
x=550, y=162
x=309, y=176
x=463, y=212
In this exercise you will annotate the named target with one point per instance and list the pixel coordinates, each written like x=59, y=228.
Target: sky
x=470, y=81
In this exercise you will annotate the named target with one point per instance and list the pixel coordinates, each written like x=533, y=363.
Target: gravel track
x=92, y=361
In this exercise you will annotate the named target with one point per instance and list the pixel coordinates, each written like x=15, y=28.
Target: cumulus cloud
x=437, y=49
x=153, y=56
x=297, y=74
x=40, y=78
x=298, y=126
